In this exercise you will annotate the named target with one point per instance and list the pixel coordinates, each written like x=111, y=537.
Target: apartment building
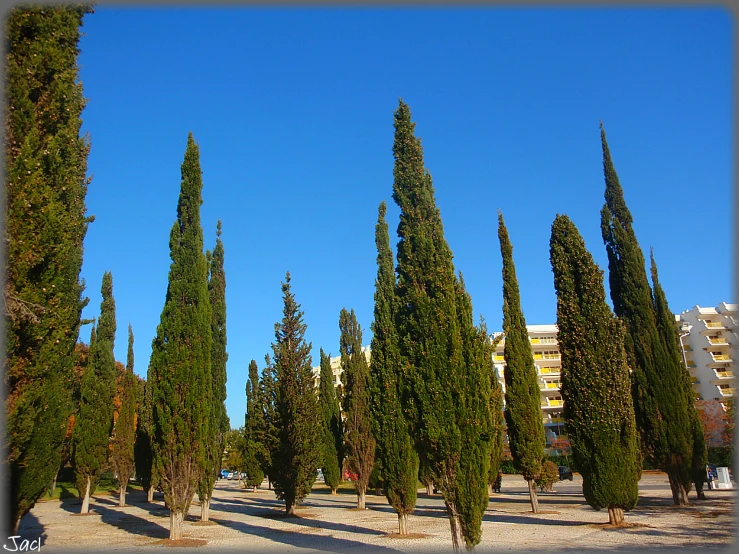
x=548, y=361
x=336, y=368
x=710, y=349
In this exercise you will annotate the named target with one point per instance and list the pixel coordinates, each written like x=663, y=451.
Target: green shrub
x=548, y=476
x=506, y=466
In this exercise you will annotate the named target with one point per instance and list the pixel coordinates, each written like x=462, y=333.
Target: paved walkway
x=251, y=521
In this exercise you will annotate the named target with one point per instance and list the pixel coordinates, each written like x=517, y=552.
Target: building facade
x=710, y=349
x=336, y=368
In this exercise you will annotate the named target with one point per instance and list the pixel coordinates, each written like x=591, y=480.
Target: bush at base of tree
x=548, y=477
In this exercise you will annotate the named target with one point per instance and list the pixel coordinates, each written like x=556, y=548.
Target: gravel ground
x=251, y=521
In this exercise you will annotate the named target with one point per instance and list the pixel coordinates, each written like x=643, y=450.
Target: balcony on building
x=719, y=359
x=721, y=376
x=550, y=386
x=710, y=326
x=549, y=403
x=726, y=390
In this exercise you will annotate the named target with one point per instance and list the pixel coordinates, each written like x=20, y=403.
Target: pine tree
x=522, y=396
x=253, y=428
x=180, y=368
x=397, y=458
x=358, y=438
x=598, y=407
x=496, y=405
x=297, y=452
x=670, y=337
x=219, y=422
x=332, y=428
x=659, y=403
x=94, y=422
x=431, y=344
x=124, y=431
x=45, y=225
x=142, y=448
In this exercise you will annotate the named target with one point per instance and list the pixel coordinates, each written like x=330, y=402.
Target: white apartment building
x=548, y=361
x=711, y=348
x=336, y=368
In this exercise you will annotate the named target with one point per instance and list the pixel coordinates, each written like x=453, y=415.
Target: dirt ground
x=252, y=521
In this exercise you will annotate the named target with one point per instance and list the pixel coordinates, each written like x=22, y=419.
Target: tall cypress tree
x=94, y=421
x=124, y=431
x=297, y=452
x=219, y=422
x=253, y=429
x=659, y=401
x=180, y=368
x=142, y=448
x=332, y=428
x=671, y=339
x=359, y=439
x=45, y=225
x=431, y=344
x=397, y=458
x=598, y=407
x=268, y=433
x=523, y=399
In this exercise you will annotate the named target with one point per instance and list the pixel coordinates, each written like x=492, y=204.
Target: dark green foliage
x=496, y=405
x=268, y=432
x=598, y=407
x=523, y=399
x=218, y=422
x=45, y=225
x=142, y=448
x=180, y=368
x=439, y=406
x=396, y=456
x=660, y=405
x=358, y=438
x=673, y=365
x=124, y=432
x=332, y=425
x=479, y=418
x=548, y=477
x=297, y=450
x=94, y=421
x=253, y=428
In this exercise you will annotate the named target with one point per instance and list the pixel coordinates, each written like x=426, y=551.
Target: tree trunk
x=52, y=488
x=175, y=525
x=122, y=496
x=700, y=495
x=289, y=508
x=205, y=509
x=333, y=492
x=490, y=489
x=360, y=500
x=86, y=499
x=615, y=516
x=679, y=495
x=454, y=524
x=532, y=495
x=428, y=488
x=150, y=494
x=402, y=524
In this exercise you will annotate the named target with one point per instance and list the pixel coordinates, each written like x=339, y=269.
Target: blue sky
x=293, y=112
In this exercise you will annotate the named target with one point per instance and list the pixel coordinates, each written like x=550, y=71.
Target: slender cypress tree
x=180, y=368
x=45, y=225
x=481, y=424
x=671, y=339
x=496, y=405
x=431, y=343
x=332, y=431
x=359, y=440
x=659, y=402
x=142, y=449
x=397, y=458
x=523, y=399
x=253, y=428
x=598, y=407
x=268, y=433
x=94, y=422
x=124, y=430
x=218, y=421
x=297, y=452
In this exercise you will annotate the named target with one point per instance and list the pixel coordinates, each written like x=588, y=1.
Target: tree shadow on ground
x=31, y=529
x=301, y=540
x=265, y=512
x=130, y=523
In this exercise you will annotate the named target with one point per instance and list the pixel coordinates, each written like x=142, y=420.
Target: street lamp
x=684, y=332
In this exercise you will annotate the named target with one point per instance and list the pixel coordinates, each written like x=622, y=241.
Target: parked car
x=231, y=475
x=224, y=474
x=565, y=473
